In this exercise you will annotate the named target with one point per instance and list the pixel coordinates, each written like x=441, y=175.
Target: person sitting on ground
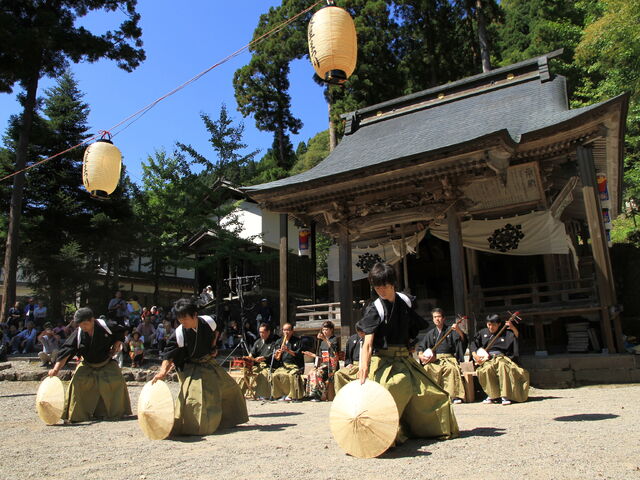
x=320, y=379
x=262, y=354
x=136, y=350
x=60, y=330
x=161, y=336
x=442, y=365
x=287, y=378
x=249, y=336
x=208, y=398
x=97, y=388
x=50, y=345
x=15, y=314
x=349, y=372
x=24, y=342
x=147, y=331
x=40, y=314
x=233, y=335
x=499, y=375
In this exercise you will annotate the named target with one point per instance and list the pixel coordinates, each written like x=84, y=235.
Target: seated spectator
x=50, y=344
x=60, y=330
x=161, y=336
x=40, y=314
x=24, y=342
x=15, y=314
x=233, y=335
x=136, y=350
x=147, y=331
x=249, y=336
x=134, y=310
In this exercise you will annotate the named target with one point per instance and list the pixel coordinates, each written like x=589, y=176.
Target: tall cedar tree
x=38, y=38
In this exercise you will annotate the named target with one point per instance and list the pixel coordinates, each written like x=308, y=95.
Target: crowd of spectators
x=27, y=328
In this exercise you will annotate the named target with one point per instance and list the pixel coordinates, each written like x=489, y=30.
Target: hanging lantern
x=333, y=47
x=101, y=168
x=304, y=234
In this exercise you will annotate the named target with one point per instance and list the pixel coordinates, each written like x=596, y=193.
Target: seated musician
x=208, y=397
x=349, y=372
x=287, y=378
x=320, y=379
x=261, y=358
x=389, y=324
x=442, y=364
x=499, y=375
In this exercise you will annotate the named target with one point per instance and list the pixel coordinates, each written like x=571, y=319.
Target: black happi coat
x=93, y=349
x=506, y=344
x=399, y=327
x=453, y=344
x=352, y=350
x=197, y=344
x=295, y=345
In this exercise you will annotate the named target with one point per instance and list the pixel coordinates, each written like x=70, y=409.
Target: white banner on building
x=363, y=258
x=536, y=233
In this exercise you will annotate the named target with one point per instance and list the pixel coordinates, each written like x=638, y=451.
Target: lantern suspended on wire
x=333, y=47
x=101, y=167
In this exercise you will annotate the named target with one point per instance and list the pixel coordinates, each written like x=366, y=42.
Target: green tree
x=610, y=54
x=311, y=153
x=39, y=38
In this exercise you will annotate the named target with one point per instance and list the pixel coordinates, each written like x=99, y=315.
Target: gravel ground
x=582, y=433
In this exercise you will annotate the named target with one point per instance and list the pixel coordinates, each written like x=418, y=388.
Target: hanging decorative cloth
x=536, y=233
x=365, y=257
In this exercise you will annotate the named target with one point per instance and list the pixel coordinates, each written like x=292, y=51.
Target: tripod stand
x=241, y=283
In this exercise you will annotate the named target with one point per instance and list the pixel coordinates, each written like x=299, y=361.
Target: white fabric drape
x=363, y=257
x=536, y=233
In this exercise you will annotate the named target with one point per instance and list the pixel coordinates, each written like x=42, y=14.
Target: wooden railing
x=536, y=296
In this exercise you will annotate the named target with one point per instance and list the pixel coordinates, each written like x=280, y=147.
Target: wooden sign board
x=524, y=186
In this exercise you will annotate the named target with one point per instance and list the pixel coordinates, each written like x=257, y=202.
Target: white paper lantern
x=101, y=168
x=333, y=46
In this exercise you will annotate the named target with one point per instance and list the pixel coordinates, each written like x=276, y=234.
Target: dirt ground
x=582, y=433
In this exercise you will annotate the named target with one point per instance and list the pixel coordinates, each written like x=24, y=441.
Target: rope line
x=137, y=115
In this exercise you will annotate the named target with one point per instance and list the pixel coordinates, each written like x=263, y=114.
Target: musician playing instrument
x=260, y=358
x=495, y=352
x=442, y=364
x=97, y=388
x=349, y=372
x=389, y=324
x=287, y=378
x=320, y=379
x=208, y=398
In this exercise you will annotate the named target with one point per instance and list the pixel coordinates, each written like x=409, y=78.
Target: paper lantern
x=333, y=47
x=101, y=168
x=304, y=234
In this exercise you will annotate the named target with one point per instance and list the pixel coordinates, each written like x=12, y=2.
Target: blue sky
x=181, y=39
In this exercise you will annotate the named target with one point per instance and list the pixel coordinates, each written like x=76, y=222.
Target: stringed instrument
x=482, y=354
x=430, y=352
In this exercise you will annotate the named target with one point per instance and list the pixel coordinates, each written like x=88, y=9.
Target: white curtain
x=363, y=257
x=536, y=233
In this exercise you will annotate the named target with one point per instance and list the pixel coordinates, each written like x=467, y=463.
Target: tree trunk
x=280, y=134
x=156, y=281
x=15, y=210
x=482, y=38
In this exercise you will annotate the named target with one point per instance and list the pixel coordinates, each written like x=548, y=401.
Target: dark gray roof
x=517, y=108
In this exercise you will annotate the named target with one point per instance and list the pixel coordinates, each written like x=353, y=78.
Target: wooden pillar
x=346, y=284
x=599, y=247
x=457, y=261
x=473, y=280
x=314, y=292
x=541, y=345
x=284, y=270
